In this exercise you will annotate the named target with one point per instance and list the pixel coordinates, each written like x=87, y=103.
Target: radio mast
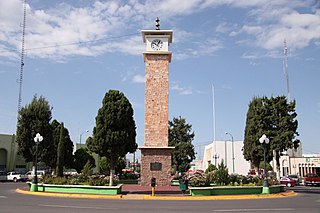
x=285, y=67
x=20, y=80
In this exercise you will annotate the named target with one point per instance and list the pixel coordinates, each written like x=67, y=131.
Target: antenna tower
x=20, y=80
x=285, y=67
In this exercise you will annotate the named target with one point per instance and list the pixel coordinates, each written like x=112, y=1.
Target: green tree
x=105, y=169
x=60, y=153
x=276, y=118
x=32, y=119
x=81, y=157
x=181, y=137
x=115, y=131
x=222, y=174
x=210, y=168
x=282, y=126
x=252, y=149
x=68, y=145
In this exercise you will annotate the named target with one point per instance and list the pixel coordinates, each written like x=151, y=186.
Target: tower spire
x=157, y=23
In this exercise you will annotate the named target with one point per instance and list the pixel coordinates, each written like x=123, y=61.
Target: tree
x=60, y=153
x=115, y=131
x=276, y=118
x=181, y=137
x=105, y=169
x=32, y=119
x=252, y=149
x=67, y=146
x=222, y=174
x=210, y=168
x=81, y=157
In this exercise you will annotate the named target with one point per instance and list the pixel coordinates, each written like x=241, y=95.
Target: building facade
x=291, y=162
x=231, y=154
x=9, y=159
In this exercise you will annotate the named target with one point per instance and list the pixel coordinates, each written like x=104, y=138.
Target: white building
x=230, y=153
x=292, y=161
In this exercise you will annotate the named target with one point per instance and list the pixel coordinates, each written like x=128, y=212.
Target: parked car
x=295, y=177
x=3, y=176
x=30, y=174
x=288, y=181
x=15, y=177
x=312, y=179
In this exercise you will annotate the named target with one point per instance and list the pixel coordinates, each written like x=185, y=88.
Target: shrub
x=199, y=179
x=221, y=174
x=235, y=179
x=211, y=168
x=87, y=169
x=55, y=180
x=101, y=180
x=78, y=179
x=211, y=177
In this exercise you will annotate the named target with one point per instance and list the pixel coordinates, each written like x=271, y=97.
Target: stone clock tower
x=155, y=154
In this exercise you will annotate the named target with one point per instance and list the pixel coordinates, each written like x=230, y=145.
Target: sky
x=78, y=50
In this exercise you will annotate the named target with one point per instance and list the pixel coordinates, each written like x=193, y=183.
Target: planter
x=232, y=190
x=79, y=189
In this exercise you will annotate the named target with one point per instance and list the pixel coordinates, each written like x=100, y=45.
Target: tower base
x=156, y=163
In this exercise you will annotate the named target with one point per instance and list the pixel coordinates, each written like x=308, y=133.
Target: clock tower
x=156, y=154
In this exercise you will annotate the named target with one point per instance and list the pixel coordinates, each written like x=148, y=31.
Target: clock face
x=157, y=44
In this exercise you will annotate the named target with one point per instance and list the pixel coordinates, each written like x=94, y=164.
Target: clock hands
x=156, y=44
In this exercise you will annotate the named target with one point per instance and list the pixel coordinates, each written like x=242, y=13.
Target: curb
x=149, y=197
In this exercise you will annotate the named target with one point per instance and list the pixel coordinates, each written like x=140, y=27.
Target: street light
x=215, y=157
x=227, y=133
x=82, y=134
x=265, y=141
x=34, y=186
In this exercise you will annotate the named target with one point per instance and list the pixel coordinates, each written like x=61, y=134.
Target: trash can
x=183, y=184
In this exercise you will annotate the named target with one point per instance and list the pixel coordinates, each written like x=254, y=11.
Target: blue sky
x=78, y=50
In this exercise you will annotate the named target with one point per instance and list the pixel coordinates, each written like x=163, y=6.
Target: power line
x=73, y=43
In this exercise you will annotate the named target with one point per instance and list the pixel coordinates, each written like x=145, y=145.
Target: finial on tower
x=157, y=23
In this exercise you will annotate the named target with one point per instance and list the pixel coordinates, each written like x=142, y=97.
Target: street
x=308, y=200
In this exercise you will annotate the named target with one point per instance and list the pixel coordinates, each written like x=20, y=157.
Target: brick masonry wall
x=156, y=155
x=156, y=100
x=156, y=121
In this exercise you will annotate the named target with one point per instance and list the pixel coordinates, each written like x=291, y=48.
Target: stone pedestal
x=156, y=163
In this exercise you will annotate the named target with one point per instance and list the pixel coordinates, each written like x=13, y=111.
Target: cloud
x=181, y=90
x=197, y=49
x=139, y=79
x=62, y=30
x=273, y=25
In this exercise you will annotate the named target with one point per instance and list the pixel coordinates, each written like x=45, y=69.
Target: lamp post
x=265, y=141
x=82, y=134
x=227, y=133
x=215, y=157
x=34, y=186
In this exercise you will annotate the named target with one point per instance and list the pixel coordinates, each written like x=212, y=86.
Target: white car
x=40, y=173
